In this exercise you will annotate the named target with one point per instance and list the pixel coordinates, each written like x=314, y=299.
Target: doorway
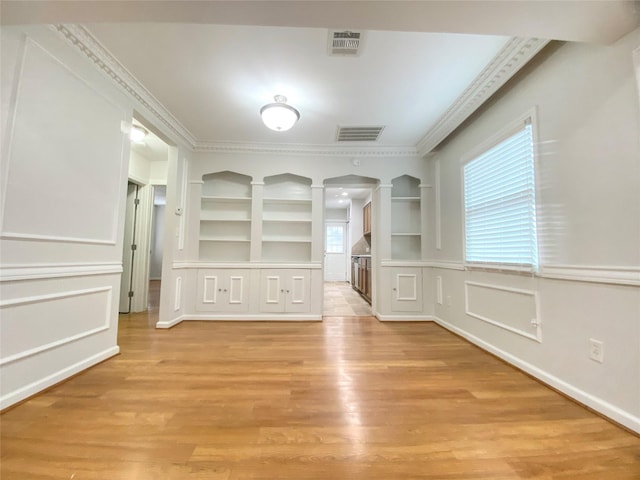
x=129, y=247
x=345, y=201
x=144, y=222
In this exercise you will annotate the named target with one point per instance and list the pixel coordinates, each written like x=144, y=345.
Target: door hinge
x=136, y=201
x=130, y=293
x=134, y=247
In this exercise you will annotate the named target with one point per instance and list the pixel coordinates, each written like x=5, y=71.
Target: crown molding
x=513, y=56
x=301, y=149
x=80, y=38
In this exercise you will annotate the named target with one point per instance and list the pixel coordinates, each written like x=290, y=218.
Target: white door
x=128, y=249
x=336, y=255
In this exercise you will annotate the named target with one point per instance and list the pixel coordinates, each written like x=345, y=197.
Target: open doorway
x=348, y=240
x=144, y=221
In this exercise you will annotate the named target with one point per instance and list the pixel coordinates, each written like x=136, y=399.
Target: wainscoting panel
x=37, y=323
x=512, y=309
x=65, y=156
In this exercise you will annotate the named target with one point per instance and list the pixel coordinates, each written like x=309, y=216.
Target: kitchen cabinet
x=361, y=276
x=366, y=219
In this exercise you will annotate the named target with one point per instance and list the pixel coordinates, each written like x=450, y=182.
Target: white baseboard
x=267, y=317
x=240, y=318
x=404, y=318
x=171, y=323
x=601, y=406
x=46, y=382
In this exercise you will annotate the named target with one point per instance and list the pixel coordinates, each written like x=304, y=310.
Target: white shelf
x=215, y=198
x=222, y=239
x=288, y=201
x=286, y=220
x=248, y=220
x=286, y=240
x=405, y=199
x=405, y=234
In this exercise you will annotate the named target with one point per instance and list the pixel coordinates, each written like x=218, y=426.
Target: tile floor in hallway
x=340, y=299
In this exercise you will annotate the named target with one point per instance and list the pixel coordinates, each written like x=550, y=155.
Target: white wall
x=155, y=269
x=588, y=205
x=64, y=171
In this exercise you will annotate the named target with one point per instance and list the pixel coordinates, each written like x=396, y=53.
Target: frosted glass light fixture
x=137, y=134
x=279, y=116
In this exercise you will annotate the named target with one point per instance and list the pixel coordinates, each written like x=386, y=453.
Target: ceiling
x=215, y=78
x=212, y=65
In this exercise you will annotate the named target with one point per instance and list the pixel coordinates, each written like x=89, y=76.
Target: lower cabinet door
x=285, y=291
x=406, y=289
x=223, y=290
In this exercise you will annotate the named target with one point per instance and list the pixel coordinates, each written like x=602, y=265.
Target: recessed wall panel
x=65, y=156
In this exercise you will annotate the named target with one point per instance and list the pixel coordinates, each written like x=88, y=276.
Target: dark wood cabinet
x=366, y=219
x=361, y=276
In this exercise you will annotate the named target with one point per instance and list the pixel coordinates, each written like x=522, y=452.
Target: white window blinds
x=499, y=204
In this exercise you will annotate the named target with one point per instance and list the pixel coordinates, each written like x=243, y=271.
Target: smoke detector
x=345, y=43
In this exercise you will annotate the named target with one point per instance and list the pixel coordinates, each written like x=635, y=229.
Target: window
x=499, y=203
x=335, y=239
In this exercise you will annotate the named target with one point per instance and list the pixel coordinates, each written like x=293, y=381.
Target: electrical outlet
x=449, y=302
x=596, y=350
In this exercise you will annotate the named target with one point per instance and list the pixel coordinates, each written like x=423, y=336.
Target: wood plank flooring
x=348, y=398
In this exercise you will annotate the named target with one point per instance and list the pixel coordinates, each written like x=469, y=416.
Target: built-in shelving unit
x=405, y=218
x=225, y=217
x=286, y=219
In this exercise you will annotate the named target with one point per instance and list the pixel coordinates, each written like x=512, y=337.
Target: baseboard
x=603, y=407
x=267, y=317
x=171, y=323
x=404, y=318
x=57, y=377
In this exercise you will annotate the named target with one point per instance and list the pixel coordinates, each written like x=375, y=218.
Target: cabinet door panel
x=298, y=293
x=210, y=289
x=406, y=295
x=272, y=292
x=237, y=294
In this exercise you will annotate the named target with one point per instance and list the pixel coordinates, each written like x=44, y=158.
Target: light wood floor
x=348, y=398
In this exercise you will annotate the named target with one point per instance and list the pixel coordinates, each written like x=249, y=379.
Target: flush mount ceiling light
x=279, y=116
x=137, y=133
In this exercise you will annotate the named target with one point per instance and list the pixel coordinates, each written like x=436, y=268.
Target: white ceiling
x=215, y=78
x=213, y=64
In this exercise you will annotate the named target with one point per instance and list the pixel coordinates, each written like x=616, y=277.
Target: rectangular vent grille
x=345, y=42
x=359, y=134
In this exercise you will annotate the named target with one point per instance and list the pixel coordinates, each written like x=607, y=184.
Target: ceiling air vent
x=358, y=134
x=345, y=42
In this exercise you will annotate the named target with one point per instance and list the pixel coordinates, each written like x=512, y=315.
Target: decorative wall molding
x=80, y=38
x=177, y=304
x=306, y=150
x=253, y=265
x=52, y=238
x=605, y=408
x=15, y=302
x=513, y=56
x=43, y=383
x=592, y=274
x=536, y=322
x=446, y=264
x=11, y=273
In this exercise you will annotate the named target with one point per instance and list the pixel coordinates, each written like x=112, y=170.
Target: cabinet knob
x=282, y=290
x=287, y=291
x=219, y=289
x=225, y=289
x=395, y=289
